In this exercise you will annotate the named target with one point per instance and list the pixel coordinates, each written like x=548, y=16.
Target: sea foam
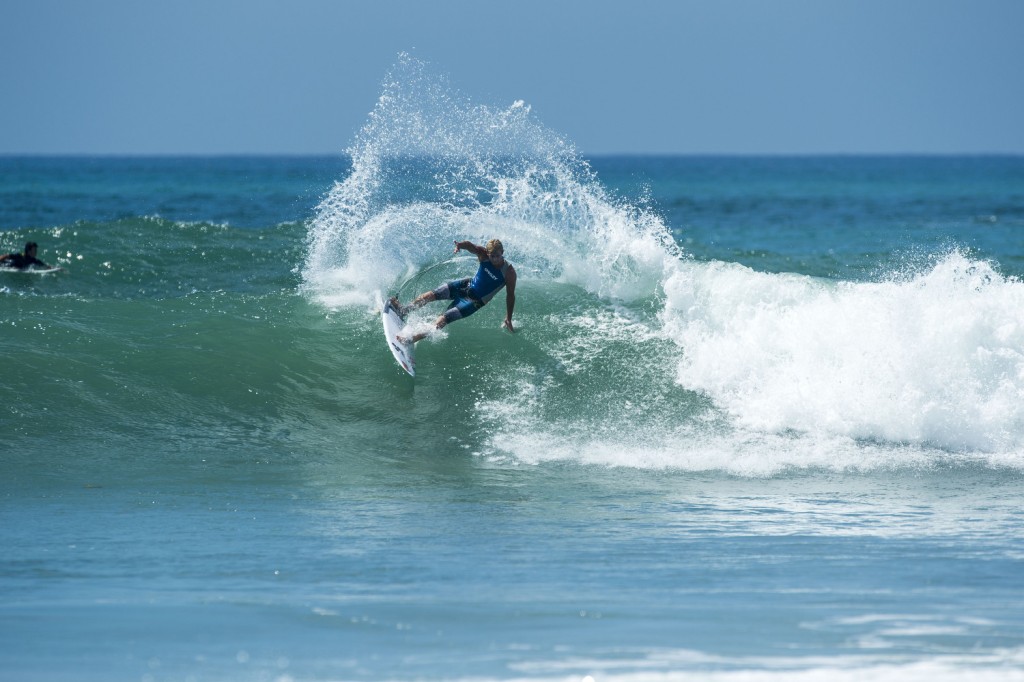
x=933, y=358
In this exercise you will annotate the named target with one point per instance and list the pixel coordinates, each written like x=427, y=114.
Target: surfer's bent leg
x=462, y=307
x=441, y=322
x=445, y=292
x=451, y=290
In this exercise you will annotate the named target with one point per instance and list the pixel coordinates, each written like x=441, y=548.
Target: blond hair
x=495, y=244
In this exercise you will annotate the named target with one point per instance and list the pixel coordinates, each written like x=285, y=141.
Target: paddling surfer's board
x=405, y=353
x=31, y=270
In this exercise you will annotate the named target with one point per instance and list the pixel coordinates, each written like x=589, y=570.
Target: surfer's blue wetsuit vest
x=488, y=281
x=469, y=295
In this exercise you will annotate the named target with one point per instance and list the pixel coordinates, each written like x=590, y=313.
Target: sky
x=612, y=77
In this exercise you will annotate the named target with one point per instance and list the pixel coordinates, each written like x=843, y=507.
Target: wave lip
x=430, y=167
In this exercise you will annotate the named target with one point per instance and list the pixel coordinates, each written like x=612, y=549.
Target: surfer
x=470, y=294
x=21, y=261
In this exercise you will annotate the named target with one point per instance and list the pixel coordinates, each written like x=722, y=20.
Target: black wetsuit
x=20, y=261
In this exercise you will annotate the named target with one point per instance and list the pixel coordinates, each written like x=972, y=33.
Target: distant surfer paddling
x=470, y=294
x=22, y=261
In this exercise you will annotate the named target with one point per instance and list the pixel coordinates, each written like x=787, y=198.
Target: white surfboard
x=30, y=270
x=405, y=353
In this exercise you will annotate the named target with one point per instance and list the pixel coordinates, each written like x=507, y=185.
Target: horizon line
x=343, y=154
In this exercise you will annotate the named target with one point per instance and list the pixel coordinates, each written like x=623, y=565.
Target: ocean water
x=762, y=418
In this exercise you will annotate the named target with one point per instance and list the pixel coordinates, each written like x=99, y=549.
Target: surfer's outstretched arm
x=479, y=251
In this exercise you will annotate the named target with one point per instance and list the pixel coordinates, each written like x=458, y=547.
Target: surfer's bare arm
x=510, y=298
x=479, y=251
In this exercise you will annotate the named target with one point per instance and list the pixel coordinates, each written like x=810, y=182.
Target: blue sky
x=663, y=77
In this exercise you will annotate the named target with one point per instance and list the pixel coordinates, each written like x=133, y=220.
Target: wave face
x=635, y=353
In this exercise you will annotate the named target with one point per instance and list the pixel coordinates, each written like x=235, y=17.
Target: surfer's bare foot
x=399, y=308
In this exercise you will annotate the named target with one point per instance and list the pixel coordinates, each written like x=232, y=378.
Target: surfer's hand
x=507, y=324
x=456, y=245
